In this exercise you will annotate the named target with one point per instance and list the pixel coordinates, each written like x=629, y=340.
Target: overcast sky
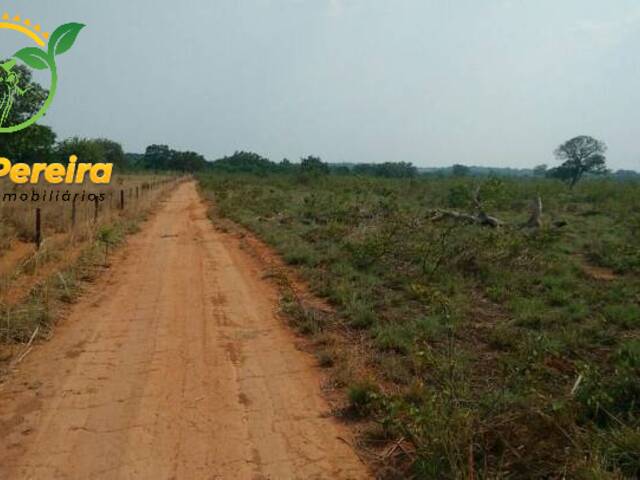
x=484, y=82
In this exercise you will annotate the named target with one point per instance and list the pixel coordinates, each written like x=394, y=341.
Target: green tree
x=285, y=166
x=386, y=169
x=87, y=150
x=187, y=162
x=313, y=165
x=161, y=157
x=580, y=155
x=158, y=157
x=246, y=162
x=31, y=145
x=540, y=170
x=460, y=170
x=113, y=152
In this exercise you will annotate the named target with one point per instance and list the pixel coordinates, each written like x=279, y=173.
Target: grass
x=497, y=353
x=41, y=306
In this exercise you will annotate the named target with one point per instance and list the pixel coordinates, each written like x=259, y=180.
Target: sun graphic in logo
x=12, y=89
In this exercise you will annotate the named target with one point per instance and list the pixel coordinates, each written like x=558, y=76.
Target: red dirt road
x=174, y=365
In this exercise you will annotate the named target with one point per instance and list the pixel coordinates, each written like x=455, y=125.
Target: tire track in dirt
x=174, y=365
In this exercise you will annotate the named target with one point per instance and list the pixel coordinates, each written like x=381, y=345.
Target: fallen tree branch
x=483, y=218
x=437, y=215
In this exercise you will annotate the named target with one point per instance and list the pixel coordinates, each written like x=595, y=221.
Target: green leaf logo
x=33, y=57
x=63, y=38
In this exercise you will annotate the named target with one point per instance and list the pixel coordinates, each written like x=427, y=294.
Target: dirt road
x=174, y=365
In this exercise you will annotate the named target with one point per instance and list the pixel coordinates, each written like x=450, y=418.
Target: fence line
x=142, y=193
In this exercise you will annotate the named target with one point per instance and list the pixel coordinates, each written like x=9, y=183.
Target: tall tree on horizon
x=580, y=155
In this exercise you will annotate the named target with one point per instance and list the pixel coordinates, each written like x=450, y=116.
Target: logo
x=22, y=102
x=42, y=57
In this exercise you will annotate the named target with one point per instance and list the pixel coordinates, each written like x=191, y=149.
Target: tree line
x=579, y=156
x=249, y=162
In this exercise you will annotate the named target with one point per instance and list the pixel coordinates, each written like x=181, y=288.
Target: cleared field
x=467, y=351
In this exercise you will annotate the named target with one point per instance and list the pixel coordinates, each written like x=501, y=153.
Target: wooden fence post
x=95, y=211
x=121, y=199
x=38, y=229
x=73, y=212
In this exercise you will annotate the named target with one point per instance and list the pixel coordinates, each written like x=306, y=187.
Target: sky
x=479, y=82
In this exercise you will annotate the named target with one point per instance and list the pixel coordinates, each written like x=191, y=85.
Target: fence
x=75, y=211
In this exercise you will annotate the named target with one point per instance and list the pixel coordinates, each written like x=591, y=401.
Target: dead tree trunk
x=535, y=221
x=483, y=217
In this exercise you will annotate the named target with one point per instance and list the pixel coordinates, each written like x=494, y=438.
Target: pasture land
x=509, y=352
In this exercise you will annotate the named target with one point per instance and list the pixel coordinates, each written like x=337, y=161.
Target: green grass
x=476, y=337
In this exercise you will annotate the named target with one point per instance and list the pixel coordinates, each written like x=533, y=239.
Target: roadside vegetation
x=507, y=350
x=36, y=282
